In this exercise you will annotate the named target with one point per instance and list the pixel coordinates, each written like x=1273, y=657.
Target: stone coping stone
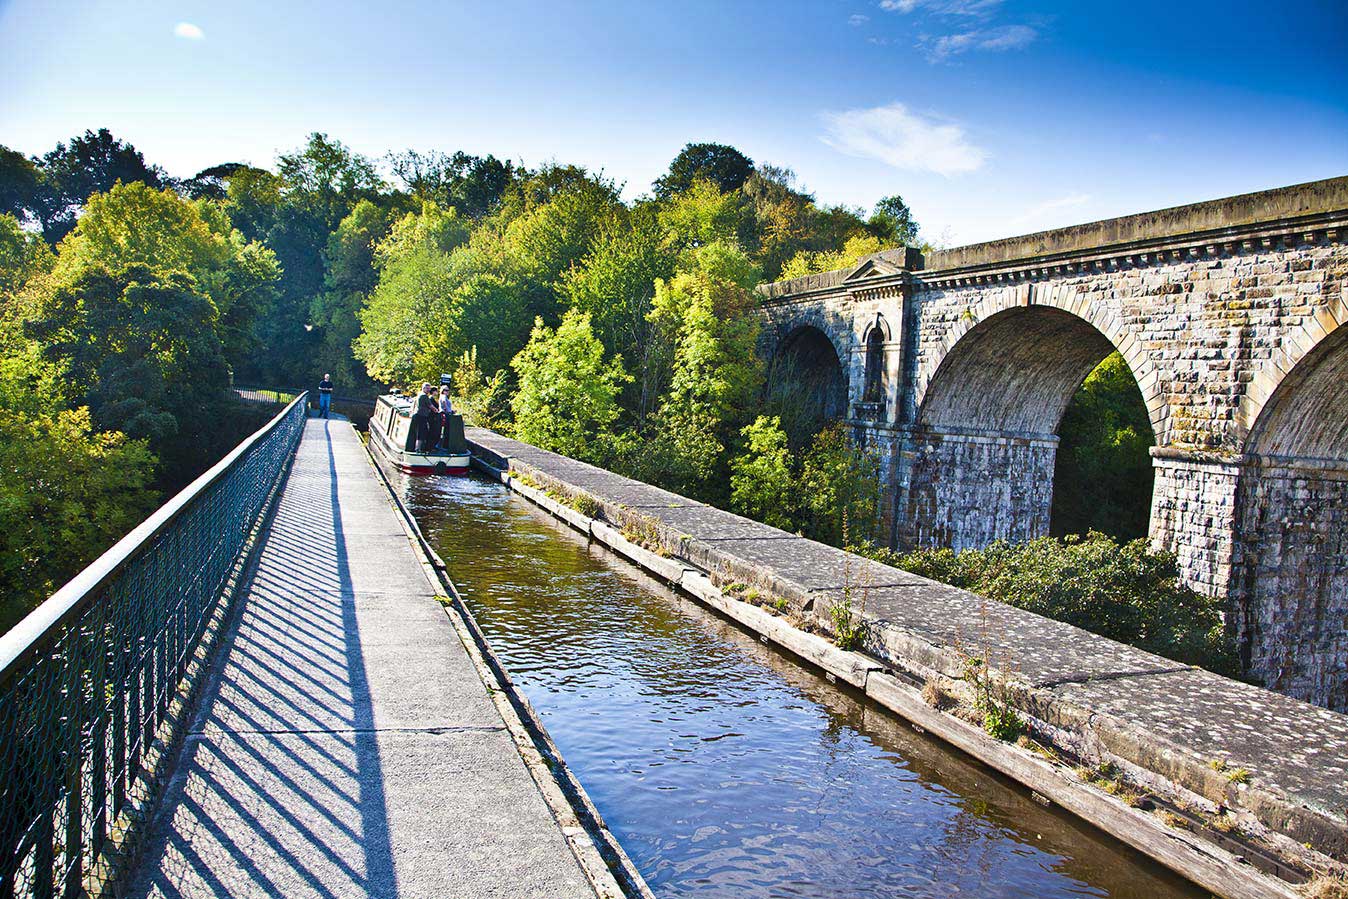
x=639, y=496
x=1039, y=650
x=1165, y=717
x=811, y=565
x=1296, y=747
x=709, y=523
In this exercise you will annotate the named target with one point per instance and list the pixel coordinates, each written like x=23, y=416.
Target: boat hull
x=419, y=463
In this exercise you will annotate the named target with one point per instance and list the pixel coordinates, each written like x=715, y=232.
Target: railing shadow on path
x=280, y=791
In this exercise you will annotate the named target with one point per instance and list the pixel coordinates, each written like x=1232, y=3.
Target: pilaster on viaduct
x=1231, y=315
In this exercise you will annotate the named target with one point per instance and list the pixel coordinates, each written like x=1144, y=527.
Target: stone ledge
x=1296, y=795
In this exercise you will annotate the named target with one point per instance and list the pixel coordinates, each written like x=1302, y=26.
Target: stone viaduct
x=957, y=370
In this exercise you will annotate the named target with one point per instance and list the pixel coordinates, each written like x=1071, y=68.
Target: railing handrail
x=296, y=391
x=33, y=633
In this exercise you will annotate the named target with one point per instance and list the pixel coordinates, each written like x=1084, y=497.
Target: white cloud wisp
x=188, y=31
x=902, y=139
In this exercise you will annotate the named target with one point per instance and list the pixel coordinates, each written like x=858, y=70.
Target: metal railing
x=89, y=678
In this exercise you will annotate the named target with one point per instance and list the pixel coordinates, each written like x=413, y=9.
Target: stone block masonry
x=1179, y=733
x=1230, y=315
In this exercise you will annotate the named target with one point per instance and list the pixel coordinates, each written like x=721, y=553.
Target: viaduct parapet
x=957, y=370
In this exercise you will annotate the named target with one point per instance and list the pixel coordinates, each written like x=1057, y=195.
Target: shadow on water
x=280, y=789
x=724, y=767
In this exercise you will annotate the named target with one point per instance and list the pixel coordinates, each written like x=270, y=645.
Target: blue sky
x=990, y=117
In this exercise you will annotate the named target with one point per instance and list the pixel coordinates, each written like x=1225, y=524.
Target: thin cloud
x=943, y=7
x=188, y=31
x=1038, y=211
x=902, y=139
x=858, y=20
x=1009, y=37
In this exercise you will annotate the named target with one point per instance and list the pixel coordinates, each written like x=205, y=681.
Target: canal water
x=725, y=768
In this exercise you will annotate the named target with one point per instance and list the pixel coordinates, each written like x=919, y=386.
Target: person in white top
x=446, y=410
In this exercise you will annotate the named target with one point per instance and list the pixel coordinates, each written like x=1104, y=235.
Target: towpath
x=345, y=744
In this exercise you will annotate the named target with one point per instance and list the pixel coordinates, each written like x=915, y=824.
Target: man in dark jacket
x=325, y=396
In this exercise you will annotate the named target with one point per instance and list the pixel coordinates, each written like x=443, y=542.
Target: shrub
x=1123, y=591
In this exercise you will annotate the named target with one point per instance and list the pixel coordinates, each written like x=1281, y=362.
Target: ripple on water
x=726, y=769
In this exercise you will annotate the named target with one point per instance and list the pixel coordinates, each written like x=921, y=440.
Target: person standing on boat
x=446, y=410
x=422, y=410
x=325, y=395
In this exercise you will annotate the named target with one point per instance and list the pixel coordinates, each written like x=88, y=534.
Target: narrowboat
x=391, y=434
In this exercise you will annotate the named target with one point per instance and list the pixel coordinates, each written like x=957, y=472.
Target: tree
x=700, y=215
x=67, y=493
x=809, y=262
x=723, y=166
x=350, y=275
x=90, y=164
x=762, y=484
x=211, y=183
x=139, y=348
x=295, y=212
x=710, y=311
x=414, y=300
x=137, y=225
x=615, y=284
x=840, y=488
x=471, y=184
x=22, y=257
x=1103, y=477
x=568, y=394
x=892, y=221
x=19, y=183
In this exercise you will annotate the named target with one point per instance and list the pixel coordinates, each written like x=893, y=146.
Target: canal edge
x=611, y=872
x=1197, y=860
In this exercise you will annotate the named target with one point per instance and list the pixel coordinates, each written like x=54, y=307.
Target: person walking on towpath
x=325, y=395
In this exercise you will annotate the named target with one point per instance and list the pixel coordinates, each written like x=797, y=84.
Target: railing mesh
x=84, y=703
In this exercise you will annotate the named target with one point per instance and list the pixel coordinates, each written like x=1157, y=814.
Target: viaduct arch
x=1230, y=316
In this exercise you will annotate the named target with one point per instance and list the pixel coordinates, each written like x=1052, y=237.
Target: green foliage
x=140, y=349
x=1103, y=477
x=848, y=630
x=1123, y=591
x=137, y=225
x=723, y=166
x=716, y=373
x=23, y=256
x=615, y=284
x=72, y=173
x=892, y=221
x=567, y=397
x=992, y=699
x=840, y=489
x=482, y=401
x=762, y=485
x=67, y=493
x=811, y=262
x=471, y=184
x=19, y=182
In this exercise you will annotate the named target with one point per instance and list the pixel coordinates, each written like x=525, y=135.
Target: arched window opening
x=875, y=365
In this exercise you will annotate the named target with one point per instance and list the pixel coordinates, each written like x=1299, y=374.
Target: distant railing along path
x=89, y=679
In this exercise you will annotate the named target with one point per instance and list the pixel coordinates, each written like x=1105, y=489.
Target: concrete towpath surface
x=345, y=744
